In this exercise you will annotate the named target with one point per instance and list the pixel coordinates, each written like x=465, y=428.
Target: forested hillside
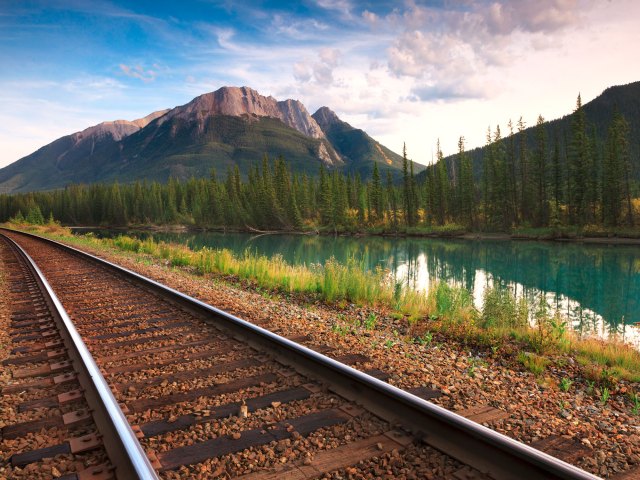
x=581, y=169
x=578, y=172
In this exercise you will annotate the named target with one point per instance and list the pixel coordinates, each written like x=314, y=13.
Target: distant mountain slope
x=599, y=112
x=56, y=164
x=231, y=126
x=358, y=149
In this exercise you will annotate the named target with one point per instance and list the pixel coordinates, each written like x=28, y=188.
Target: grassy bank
x=503, y=320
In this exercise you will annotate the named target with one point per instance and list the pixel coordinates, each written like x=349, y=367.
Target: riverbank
x=543, y=234
x=544, y=394
x=499, y=317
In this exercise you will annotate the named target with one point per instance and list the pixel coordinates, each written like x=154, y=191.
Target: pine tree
x=326, y=199
x=375, y=195
x=408, y=191
x=392, y=202
x=487, y=179
x=441, y=187
x=539, y=176
x=466, y=187
x=616, y=191
x=512, y=175
x=579, y=159
x=414, y=196
x=116, y=213
x=527, y=186
x=501, y=212
x=339, y=193
x=558, y=180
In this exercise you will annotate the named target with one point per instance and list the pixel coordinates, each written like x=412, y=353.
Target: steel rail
x=120, y=442
x=490, y=452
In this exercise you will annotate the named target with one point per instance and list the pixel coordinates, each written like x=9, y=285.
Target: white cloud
x=319, y=71
x=413, y=73
x=371, y=18
x=343, y=7
x=302, y=72
x=297, y=29
x=137, y=71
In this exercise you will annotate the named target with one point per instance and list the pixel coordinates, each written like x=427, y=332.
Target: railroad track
x=194, y=392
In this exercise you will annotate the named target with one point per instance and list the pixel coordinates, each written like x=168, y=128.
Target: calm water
x=596, y=286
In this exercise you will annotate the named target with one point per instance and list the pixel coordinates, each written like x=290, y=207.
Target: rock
x=586, y=443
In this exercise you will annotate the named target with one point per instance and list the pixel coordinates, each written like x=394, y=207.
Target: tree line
x=566, y=180
x=574, y=178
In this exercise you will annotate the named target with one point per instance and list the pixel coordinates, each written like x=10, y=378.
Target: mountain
x=356, y=147
x=598, y=112
x=55, y=163
x=233, y=126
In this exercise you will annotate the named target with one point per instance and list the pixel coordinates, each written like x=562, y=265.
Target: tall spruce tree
x=539, y=176
x=579, y=159
x=466, y=187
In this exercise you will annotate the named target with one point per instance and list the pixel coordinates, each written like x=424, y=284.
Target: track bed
x=208, y=396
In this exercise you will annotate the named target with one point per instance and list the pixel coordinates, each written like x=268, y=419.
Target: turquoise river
x=595, y=286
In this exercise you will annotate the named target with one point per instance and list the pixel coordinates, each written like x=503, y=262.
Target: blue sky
x=403, y=71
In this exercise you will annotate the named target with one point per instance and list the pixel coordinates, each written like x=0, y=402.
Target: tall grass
x=451, y=304
x=332, y=281
x=448, y=308
x=501, y=309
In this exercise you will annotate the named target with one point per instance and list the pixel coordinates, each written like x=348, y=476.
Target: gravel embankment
x=609, y=433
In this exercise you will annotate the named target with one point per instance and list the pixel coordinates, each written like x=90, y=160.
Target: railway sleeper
x=217, y=447
x=75, y=445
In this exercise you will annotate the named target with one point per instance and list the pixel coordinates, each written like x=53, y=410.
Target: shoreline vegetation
x=594, y=235
x=503, y=323
x=574, y=187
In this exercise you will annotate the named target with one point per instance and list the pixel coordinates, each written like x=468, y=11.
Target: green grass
x=613, y=358
x=332, y=282
x=502, y=309
x=536, y=364
x=448, y=309
x=565, y=384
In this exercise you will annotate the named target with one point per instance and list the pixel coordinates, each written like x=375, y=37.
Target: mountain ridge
x=598, y=112
x=232, y=126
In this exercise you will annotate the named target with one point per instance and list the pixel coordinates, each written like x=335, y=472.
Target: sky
x=414, y=71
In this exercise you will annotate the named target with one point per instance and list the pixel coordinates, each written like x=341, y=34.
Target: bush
x=501, y=309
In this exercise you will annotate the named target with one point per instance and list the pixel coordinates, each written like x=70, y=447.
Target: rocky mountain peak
x=144, y=121
x=239, y=101
x=325, y=117
x=117, y=129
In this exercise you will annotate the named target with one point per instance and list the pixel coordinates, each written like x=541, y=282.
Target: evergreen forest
x=569, y=180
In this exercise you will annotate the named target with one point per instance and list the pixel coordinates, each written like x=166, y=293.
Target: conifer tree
x=558, y=180
x=408, y=191
x=579, y=162
x=539, y=176
x=514, y=210
x=466, y=187
x=392, y=202
x=375, y=196
x=326, y=198
x=441, y=187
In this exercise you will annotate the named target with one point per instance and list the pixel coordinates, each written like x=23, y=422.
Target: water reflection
x=596, y=286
